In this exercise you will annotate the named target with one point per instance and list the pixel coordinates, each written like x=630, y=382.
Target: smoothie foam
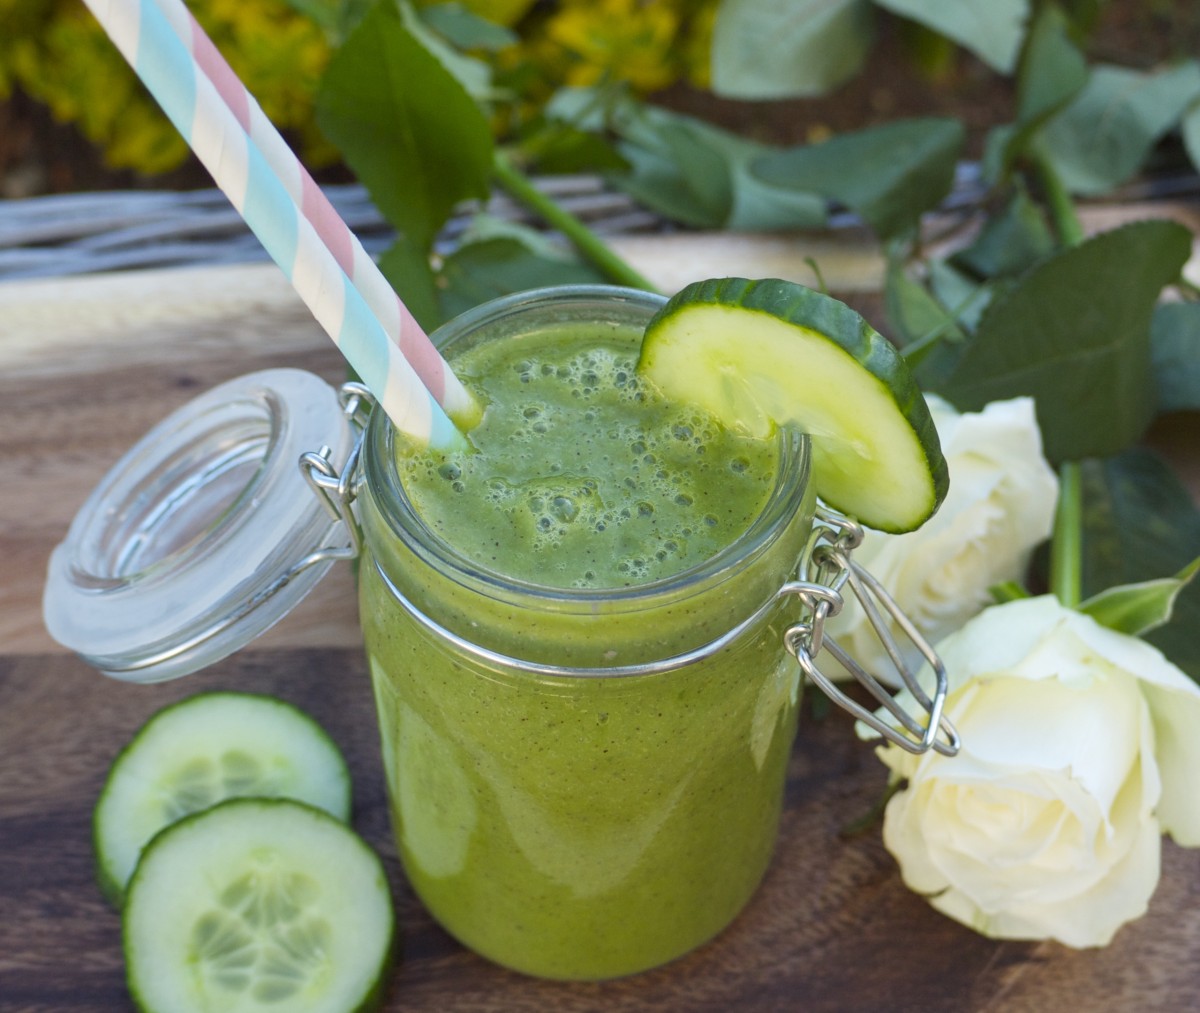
x=581, y=475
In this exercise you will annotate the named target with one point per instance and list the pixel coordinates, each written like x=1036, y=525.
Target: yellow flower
x=696, y=51
x=278, y=54
x=57, y=54
x=499, y=12
x=626, y=40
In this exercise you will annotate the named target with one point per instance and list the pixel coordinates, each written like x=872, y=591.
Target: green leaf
x=889, y=175
x=558, y=149
x=1177, y=639
x=1102, y=138
x=406, y=127
x=491, y=267
x=484, y=227
x=569, y=135
x=964, y=298
x=1175, y=343
x=337, y=18
x=1139, y=520
x=1052, y=69
x=1051, y=72
x=684, y=168
x=991, y=29
x=771, y=49
x=1009, y=590
x=934, y=55
x=1084, y=15
x=1139, y=523
x=930, y=338
x=761, y=207
x=1191, y=133
x=700, y=175
x=705, y=168
x=914, y=313
x=1074, y=333
x=466, y=29
x=660, y=183
x=1139, y=608
x=407, y=270
x=474, y=75
x=1011, y=242
x=592, y=109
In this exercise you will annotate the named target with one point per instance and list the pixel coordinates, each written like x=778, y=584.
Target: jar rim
x=785, y=501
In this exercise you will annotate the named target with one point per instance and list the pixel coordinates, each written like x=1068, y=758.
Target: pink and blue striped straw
x=191, y=101
x=395, y=317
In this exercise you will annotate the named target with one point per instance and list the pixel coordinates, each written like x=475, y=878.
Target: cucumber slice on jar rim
x=195, y=753
x=761, y=354
x=258, y=904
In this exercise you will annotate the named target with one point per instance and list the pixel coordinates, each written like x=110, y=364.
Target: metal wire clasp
x=825, y=570
x=337, y=492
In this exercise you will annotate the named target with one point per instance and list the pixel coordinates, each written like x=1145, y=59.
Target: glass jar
x=584, y=783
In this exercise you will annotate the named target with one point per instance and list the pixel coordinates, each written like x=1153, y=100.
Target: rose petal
x=1092, y=735
x=903, y=838
x=1091, y=920
x=1028, y=860
x=1115, y=875
x=1176, y=714
x=999, y=638
x=1043, y=839
x=1174, y=701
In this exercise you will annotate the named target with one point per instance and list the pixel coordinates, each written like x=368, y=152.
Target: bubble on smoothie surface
x=584, y=477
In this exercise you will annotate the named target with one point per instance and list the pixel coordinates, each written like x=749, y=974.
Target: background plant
x=57, y=54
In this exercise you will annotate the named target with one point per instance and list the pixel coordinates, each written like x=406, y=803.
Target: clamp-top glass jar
x=585, y=748
x=575, y=794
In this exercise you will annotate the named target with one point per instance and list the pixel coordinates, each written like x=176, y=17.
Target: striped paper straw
x=149, y=43
x=395, y=317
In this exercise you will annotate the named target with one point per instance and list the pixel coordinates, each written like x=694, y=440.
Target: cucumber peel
x=762, y=354
x=195, y=753
x=258, y=904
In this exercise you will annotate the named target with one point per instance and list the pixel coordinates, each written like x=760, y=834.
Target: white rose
x=1080, y=746
x=1000, y=506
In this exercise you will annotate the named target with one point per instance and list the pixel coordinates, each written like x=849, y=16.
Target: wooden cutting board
x=86, y=366
x=831, y=930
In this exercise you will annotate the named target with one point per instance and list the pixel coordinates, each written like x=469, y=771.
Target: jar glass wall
x=584, y=783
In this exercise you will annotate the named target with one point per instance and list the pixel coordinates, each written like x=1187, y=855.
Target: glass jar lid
x=205, y=533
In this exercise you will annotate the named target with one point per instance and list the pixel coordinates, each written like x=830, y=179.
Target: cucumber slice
x=195, y=753
x=258, y=904
x=758, y=354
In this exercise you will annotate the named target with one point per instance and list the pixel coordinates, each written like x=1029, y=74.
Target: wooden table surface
x=86, y=366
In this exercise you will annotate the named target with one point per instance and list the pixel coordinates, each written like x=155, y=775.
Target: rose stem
x=584, y=239
x=1066, y=546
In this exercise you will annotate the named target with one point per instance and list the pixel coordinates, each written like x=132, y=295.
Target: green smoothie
x=581, y=476
x=575, y=794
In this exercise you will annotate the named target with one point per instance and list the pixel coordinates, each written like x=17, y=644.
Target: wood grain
x=88, y=365
x=831, y=929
